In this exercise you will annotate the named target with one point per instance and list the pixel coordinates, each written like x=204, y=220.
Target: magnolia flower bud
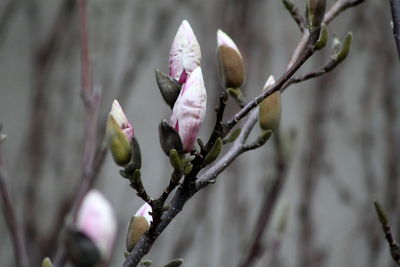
x=97, y=221
x=270, y=108
x=119, y=135
x=138, y=225
x=185, y=53
x=169, y=87
x=189, y=109
x=230, y=62
x=90, y=241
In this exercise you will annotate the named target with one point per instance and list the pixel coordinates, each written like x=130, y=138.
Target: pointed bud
x=175, y=263
x=135, y=162
x=214, y=152
x=323, y=37
x=230, y=62
x=190, y=109
x=138, y=225
x=47, y=262
x=315, y=11
x=169, y=138
x=169, y=88
x=96, y=220
x=175, y=160
x=270, y=108
x=119, y=135
x=185, y=53
x=345, y=48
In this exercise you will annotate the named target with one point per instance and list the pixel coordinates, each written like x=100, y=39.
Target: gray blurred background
x=345, y=156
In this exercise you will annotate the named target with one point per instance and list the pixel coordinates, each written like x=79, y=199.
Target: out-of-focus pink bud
x=189, y=109
x=97, y=221
x=145, y=211
x=185, y=53
x=119, y=116
x=230, y=62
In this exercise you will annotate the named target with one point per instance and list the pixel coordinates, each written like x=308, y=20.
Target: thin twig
x=17, y=238
x=338, y=7
x=395, y=8
x=394, y=247
x=296, y=14
x=91, y=100
x=269, y=204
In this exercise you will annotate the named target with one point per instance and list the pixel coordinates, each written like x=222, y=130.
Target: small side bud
x=169, y=87
x=136, y=158
x=315, y=11
x=323, y=37
x=174, y=263
x=233, y=136
x=214, y=152
x=230, y=62
x=138, y=225
x=263, y=138
x=146, y=263
x=345, y=48
x=270, y=108
x=169, y=138
x=47, y=262
x=187, y=169
x=175, y=160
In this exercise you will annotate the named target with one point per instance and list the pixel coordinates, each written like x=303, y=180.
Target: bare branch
x=394, y=247
x=395, y=8
x=296, y=14
x=17, y=238
x=338, y=7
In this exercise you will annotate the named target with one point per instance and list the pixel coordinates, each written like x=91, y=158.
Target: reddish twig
x=20, y=252
x=269, y=203
x=91, y=100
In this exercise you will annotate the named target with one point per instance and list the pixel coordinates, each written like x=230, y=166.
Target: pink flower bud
x=189, y=109
x=97, y=221
x=224, y=40
x=185, y=53
x=119, y=116
x=145, y=211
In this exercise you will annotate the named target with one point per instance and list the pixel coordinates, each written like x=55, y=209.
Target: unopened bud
x=174, y=263
x=185, y=53
x=190, y=109
x=175, y=160
x=169, y=138
x=47, y=262
x=270, y=108
x=138, y=225
x=136, y=157
x=323, y=37
x=169, y=87
x=230, y=62
x=119, y=135
x=214, y=152
x=345, y=48
x=96, y=221
x=315, y=11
